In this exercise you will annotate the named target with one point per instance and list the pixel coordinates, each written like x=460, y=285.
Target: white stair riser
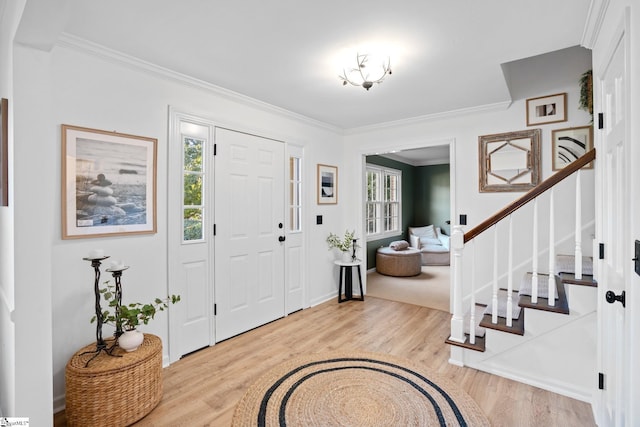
x=561, y=360
x=582, y=299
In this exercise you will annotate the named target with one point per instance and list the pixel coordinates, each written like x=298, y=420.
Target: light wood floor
x=202, y=389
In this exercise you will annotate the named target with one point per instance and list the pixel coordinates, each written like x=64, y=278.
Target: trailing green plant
x=586, y=92
x=128, y=317
x=344, y=244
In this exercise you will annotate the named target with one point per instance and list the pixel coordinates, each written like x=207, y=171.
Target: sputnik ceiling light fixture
x=370, y=69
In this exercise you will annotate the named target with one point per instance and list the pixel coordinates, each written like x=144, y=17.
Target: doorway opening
x=408, y=192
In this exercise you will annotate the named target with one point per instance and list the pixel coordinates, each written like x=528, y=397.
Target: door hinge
x=601, y=251
x=215, y=309
x=600, y=381
x=214, y=229
x=215, y=149
x=600, y=120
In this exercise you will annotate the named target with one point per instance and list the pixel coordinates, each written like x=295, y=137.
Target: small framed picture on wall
x=547, y=109
x=570, y=144
x=327, y=185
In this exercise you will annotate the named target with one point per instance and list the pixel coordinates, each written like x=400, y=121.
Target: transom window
x=384, y=204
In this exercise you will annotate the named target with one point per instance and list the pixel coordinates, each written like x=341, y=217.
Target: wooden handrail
x=554, y=179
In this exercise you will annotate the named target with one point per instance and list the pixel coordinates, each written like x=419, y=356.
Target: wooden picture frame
x=509, y=161
x=327, y=185
x=4, y=152
x=570, y=144
x=547, y=109
x=108, y=183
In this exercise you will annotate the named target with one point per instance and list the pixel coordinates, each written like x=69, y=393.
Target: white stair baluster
x=510, y=276
x=472, y=317
x=534, y=267
x=552, y=250
x=578, y=250
x=494, y=294
x=457, y=320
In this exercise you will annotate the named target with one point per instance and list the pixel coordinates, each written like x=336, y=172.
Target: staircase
x=555, y=347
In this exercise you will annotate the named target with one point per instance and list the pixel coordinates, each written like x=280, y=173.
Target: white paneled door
x=615, y=268
x=249, y=232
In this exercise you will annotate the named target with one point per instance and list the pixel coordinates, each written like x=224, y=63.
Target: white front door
x=613, y=171
x=250, y=231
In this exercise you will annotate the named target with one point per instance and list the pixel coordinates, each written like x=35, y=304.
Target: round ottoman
x=402, y=263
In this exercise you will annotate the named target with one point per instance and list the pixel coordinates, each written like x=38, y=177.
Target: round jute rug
x=355, y=389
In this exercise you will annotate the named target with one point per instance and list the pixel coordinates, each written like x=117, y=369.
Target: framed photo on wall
x=327, y=185
x=547, y=109
x=570, y=144
x=4, y=152
x=108, y=183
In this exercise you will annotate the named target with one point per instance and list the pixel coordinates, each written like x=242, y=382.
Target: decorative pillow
x=426, y=231
x=399, y=245
x=415, y=241
x=424, y=241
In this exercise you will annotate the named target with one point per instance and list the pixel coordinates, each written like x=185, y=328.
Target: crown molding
x=595, y=17
x=498, y=106
x=72, y=42
x=431, y=161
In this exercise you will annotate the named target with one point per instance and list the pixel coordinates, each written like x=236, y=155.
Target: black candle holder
x=101, y=345
x=116, y=272
x=353, y=256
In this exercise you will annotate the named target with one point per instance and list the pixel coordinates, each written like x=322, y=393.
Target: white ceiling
x=447, y=54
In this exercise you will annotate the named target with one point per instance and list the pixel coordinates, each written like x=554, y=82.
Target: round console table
x=113, y=391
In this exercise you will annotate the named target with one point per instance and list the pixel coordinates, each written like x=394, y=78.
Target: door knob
x=612, y=297
x=281, y=239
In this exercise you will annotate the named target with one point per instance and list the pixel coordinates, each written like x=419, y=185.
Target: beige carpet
x=428, y=289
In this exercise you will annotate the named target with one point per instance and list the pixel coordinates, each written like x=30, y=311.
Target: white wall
x=72, y=87
x=10, y=12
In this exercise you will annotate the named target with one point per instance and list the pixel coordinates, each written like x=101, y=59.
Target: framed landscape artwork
x=547, y=109
x=327, y=185
x=4, y=152
x=570, y=144
x=108, y=183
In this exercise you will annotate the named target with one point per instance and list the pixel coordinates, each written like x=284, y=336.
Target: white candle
x=116, y=266
x=96, y=253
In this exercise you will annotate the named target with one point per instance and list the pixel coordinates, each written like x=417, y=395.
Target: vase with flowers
x=344, y=244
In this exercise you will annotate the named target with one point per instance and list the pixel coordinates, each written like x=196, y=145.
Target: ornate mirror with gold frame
x=509, y=161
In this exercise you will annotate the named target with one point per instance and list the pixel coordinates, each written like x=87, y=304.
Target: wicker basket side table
x=114, y=391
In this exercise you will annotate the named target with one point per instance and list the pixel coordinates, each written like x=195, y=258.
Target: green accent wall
x=433, y=197
x=425, y=200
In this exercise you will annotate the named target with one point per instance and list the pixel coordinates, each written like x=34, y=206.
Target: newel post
x=457, y=320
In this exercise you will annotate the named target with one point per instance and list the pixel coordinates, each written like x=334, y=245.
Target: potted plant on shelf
x=127, y=317
x=343, y=244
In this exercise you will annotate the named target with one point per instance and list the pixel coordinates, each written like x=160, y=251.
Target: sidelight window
x=193, y=184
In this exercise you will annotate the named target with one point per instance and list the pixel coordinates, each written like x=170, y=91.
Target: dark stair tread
x=478, y=346
x=570, y=278
x=561, y=306
x=516, y=328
